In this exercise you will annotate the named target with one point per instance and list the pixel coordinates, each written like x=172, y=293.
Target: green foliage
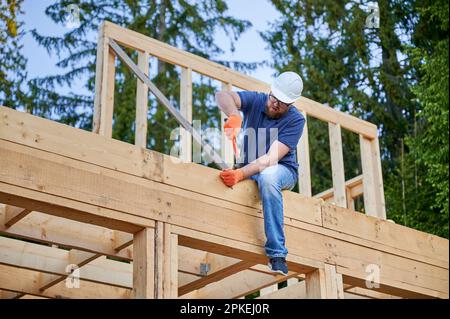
x=395, y=76
x=12, y=62
x=188, y=25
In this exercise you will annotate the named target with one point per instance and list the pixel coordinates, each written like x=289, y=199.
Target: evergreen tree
x=188, y=25
x=370, y=73
x=12, y=62
x=428, y=147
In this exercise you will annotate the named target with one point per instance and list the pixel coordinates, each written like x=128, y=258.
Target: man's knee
x=268, y=179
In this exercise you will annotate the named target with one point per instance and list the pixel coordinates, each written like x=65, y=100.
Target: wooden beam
x=433, y=250
x=226, y=145
x=143, y=264
x=14, y=214
x=304, y=169
x=295, y=291
x=104, y=86
x=29, y=281
x=214, y=277
x=373, y=183
x=109, y=153
x=337, y=164
x=140, y=138
x=186, y=111
x=354, y=185
x=237, y=285
x=67, y=233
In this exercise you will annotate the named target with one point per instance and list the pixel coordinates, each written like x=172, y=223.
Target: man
x=274, y=168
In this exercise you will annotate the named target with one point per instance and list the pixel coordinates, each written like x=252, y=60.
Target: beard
x=273, y=115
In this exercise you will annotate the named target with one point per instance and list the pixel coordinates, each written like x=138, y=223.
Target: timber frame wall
x=133, y=223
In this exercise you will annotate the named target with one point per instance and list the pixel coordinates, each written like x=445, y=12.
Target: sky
x=249, y=48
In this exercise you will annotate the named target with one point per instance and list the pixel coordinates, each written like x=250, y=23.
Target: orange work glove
x=232, y=126
x=231, y=177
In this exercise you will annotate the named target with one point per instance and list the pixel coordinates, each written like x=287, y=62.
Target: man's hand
x=232, y=126
x=231, y=177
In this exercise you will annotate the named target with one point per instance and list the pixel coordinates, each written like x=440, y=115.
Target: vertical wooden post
x=227, y=147
x=315, y=284
x=324, y=283
x=337, y=164
x=143, y=264
x=166, y=262
x=378, y=178
x=140, y=138
x=173, y=266
x=350, y=200
x=304, y=174
x=372, y=178
x=186, y=111
x=104, y=86
x=159, y=259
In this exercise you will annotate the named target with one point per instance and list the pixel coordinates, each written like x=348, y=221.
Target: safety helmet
x=287, y=87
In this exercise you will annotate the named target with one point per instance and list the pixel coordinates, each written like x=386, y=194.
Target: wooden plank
x=333, y=283
x=368, y=293
x=104, y=86
x=216, y=71
x=28, y=282
x=371, y=207
x=215, y=276
x=238, y=249
x=56, y=138
x=167, y=257
x=143, y=264
x=226, y=145
x=66, y=233
x=378, y=178
x=174, y=266
x=140, y=138
x=295, y=291
x=59, y=206
x=315, y=284
x=337, y=164
x=354, y=185
x=14, y=214
x=235, y=286
x=386, y=233
x=159, y=260
x=401, y=289
x=304, y=169
x=130, y=194
x=186, y=111
x=50, y=260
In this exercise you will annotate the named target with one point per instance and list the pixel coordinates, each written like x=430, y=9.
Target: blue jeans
x=271, y=182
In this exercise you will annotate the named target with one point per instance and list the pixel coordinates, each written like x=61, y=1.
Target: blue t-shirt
x=260, y=131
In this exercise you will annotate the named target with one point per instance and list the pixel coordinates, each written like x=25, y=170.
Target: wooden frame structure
x=85, y=216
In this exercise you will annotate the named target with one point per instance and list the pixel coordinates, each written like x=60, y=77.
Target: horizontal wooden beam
x=354, y=184
x=67, y=233
x=29, y=282
x=56, y=261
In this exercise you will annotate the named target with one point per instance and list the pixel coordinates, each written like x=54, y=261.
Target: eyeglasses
x=278, y=102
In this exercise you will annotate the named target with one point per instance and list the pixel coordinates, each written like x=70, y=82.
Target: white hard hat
x=287, y=87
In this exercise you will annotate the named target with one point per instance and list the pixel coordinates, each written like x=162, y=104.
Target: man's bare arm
x=276, y=152
x=229, y=102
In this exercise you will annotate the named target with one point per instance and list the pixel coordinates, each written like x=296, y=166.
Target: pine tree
x=188, y=25
x=12, y=62
x=368, y=72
